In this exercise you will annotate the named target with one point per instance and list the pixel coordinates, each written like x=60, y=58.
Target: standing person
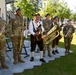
x=68, y=31
x=2, y=42
x=35, y=33
x=16, y=32
x=47, y=24
x=55, y=42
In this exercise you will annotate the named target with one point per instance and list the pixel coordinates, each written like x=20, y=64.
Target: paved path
x=27, y=65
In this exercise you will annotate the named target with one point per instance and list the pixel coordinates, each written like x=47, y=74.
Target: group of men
x=46, y=25
x=38, y=30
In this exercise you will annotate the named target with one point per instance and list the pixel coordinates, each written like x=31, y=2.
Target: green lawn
x=65, y=65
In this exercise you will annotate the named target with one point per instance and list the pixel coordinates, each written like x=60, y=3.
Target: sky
x=71, y=4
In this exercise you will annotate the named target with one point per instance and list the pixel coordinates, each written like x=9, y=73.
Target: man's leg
x=33, y=46
x=2, y=53
x=66, y=44
x=44, y=50
x=69, y=43
x=56, y=46
x=20, y=45
x=15, y=50
x=48, y=48
x=53, y=46
x=40, y=44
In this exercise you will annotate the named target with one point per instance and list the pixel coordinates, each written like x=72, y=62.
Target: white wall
x=3, y=9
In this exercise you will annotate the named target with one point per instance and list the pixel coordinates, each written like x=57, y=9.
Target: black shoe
x=53, y=52
x=42, y=60
x=66, y=52
x=56, y=51
x=32, y=59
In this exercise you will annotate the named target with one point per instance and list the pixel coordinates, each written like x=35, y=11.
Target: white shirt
x=31, y=30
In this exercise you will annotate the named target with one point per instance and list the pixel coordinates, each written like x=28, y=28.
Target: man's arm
x=31, y=28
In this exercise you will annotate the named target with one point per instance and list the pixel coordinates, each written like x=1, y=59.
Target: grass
x=62, y=66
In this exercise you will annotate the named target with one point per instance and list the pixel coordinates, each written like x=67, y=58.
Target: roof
x=9, y=1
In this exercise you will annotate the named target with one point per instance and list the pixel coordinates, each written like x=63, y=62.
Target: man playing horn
x=36, y=29
x=55, y=42
x=68, y=31
x=47, y=24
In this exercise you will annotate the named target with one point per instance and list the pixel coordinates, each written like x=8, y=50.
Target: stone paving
x=27, y=65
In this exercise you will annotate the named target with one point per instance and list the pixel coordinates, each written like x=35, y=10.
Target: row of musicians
x=16, y=32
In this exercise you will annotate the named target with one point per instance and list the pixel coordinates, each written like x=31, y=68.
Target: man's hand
x=43, y=36
x=36, y=34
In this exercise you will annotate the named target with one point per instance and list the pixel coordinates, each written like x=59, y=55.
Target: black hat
x=47, y=15
x=56, y=17
x=68, y=20
x=18, y=9
x=36, y=14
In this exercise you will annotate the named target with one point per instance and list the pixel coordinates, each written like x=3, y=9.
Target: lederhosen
x=34, y=41
x=55, y=41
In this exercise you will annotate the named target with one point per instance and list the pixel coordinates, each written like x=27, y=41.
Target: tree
x=52, y=7
x=64, y=11
x=36, y=4
x=27, y=7
x=74, y=17
x=58, y=8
